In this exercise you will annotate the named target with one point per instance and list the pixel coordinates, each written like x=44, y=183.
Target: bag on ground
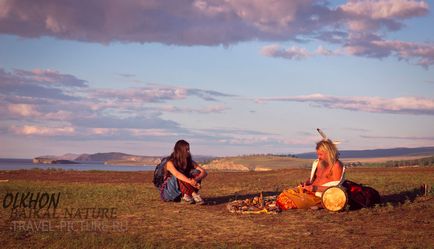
x=159, y=172
x=361, y=196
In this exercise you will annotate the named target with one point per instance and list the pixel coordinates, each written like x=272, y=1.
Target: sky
x=232, y=77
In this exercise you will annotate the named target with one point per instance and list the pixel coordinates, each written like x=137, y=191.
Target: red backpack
x=360, y=196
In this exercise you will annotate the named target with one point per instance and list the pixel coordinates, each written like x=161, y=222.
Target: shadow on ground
x=394, y=199
x=402, y=197
x=228, y=198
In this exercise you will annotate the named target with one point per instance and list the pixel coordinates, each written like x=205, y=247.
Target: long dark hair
x=181, y=156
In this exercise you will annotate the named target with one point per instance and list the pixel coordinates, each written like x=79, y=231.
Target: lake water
x=17, y=164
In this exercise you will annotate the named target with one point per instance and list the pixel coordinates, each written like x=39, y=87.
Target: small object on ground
x=425, y=189
x=5, y=180
x=256, y=205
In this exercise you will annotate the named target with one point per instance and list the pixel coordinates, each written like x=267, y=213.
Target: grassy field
x=141, y=220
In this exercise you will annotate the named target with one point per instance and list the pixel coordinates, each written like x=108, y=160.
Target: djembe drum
x=334, y=198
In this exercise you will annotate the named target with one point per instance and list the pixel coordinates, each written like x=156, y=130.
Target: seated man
x=327, y=171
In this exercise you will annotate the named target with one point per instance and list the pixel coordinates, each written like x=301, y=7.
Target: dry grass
x=382, y=159
x=403, y=220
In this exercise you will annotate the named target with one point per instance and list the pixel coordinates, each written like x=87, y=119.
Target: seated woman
x=182, y=176
x=327, y=171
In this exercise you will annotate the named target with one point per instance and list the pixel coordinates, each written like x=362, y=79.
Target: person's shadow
x=228, y=198
x=402, y=197
x=394, y=199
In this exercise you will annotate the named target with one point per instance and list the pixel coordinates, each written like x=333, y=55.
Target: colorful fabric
x=186, y=188
x=170, y=191
x=297, y=198
x=172, y=188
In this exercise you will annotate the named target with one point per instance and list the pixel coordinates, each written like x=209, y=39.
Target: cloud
x=154, y=94
x=294, y=52
x=365, y=45
x=374, y=46
x=290, y=53
x=181, y=22
x=104, y=121
x=73, y=133
x=422, y=53
x=42, y=130
x=151, y=94
x=45, y=77
x=39, y=83
x=60, y=106
x=203, y=110
x=252, y=139
x=360, y=33
x=208, y=95
x=218, y=22
x=398, y=137
x=48, y=93
x=127, y=133
x=399, y=105
x=384, y=9
x=235, y=131
x=24, y=110
x=368, y=15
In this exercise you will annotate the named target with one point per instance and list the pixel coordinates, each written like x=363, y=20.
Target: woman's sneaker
x=187, y=199
x=197, y=199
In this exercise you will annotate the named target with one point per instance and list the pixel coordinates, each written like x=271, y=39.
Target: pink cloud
x=385, y=9
x=187, y=22
x=183, y=22
x=39, y=84
x=24, y=110
x=102, y=131
x=142, y=94
x=362, y=45
x=42, y=130
x=154, y=93
x=214, y=22
x=422, y=53
x=370, y=15
x=399, y=105
x=152, y=132
x=203, y=110
x=38, y=103
x=47, y=77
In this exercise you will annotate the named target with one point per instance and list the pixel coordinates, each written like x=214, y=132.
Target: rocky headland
x=225, y=165
x=110, y=158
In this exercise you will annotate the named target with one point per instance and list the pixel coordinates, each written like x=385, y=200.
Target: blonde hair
x=331, y=150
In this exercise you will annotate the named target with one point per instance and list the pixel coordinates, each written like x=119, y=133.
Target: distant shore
x=131, y=163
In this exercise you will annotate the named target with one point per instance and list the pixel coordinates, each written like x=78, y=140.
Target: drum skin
x=334, y=198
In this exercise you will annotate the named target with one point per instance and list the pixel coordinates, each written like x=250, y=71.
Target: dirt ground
x=403, y=220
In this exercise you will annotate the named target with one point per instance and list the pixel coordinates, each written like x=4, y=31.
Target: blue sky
x=231, y=77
